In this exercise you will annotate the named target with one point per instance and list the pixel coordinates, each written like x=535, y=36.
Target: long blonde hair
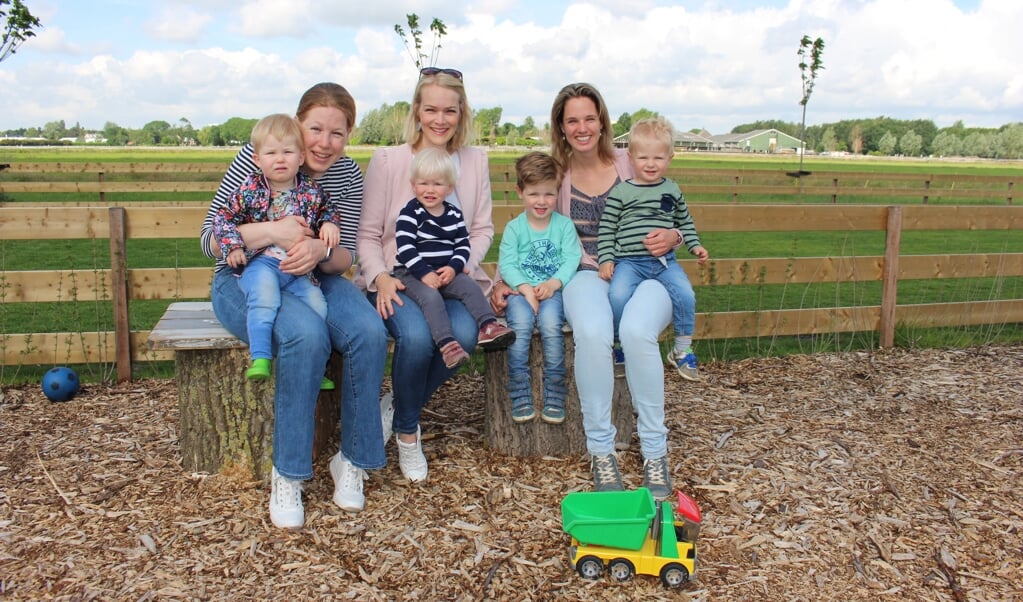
x=463, y=132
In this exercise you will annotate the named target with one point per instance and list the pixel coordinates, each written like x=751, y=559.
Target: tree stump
x=538, y=438
x=227, y=421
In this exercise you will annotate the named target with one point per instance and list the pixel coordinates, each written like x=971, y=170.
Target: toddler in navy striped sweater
x=433, y=250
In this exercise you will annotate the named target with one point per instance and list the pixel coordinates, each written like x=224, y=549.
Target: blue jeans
x=262, y=281
x=417, y=366
x=550, y=321
x=646, y=314
x=302, y=346
x=630, y=271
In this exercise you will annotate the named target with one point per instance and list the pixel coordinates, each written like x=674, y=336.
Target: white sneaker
x=387, y=415
x=347, y=484
x=286, y=511
x=411, y=459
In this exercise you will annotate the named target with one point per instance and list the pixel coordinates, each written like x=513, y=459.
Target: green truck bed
x=617, y=519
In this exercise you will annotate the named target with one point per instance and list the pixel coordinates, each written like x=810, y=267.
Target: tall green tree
x=911, y=144
x=886, y=146
x=18, y=26
x=413, y=40
x=809, y=50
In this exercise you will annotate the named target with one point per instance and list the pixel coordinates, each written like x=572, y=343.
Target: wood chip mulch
x=847, y=476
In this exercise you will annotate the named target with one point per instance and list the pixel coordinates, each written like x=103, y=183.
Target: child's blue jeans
x=262, y=282
x=550, y=321
x=630, y=271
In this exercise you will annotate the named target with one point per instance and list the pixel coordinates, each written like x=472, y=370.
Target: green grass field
x=87, y=257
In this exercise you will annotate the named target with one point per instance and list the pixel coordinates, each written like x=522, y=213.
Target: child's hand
x=446, y=274
x=432, y=280
x=701, y=255
x=236, y=258
x=607, y=269
x=546, y=290
x=529, y=294
x=330, y=234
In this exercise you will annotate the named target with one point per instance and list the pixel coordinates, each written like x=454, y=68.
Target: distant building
x=757, y=141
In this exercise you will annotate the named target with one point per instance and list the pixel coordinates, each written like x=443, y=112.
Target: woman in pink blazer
x=441, y=117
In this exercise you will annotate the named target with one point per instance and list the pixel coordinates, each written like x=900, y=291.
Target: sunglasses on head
x=435, y=70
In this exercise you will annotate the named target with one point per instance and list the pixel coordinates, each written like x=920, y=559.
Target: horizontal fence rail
x=91, y=183
x=121, y=286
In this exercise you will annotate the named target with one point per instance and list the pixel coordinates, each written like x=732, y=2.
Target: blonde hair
x=280, y=126
x=433, y=163
x=463, y=131
x=535, y=168
x=560, y=147
x=653, y=129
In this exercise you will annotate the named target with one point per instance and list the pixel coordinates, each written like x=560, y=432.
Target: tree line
x=385, y=125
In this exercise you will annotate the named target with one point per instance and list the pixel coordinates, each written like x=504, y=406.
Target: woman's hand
x=661, y=241
x=499, y=296
x=387, y=294
x=303, y=257
x=289, y=231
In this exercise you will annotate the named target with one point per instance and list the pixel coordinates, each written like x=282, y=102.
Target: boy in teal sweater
x=539, y=253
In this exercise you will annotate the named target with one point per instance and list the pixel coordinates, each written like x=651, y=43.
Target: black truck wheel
x=674, y=574
x=620, y=569
x=589, y=567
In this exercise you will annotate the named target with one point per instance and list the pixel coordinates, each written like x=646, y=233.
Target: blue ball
x=60, y=384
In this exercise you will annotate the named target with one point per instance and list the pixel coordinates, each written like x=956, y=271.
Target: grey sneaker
x=286, y=511
x=657, y=478
x=347, y=484
x=685, y=363
x=605, y=473
x=387, y=415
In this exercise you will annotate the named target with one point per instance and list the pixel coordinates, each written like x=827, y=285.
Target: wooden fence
x=122, y=286
x=101, y=184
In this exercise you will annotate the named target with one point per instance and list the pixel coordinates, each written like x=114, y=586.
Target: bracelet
x=330, y=252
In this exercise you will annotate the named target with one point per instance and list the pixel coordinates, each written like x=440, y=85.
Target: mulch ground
x=848, y=476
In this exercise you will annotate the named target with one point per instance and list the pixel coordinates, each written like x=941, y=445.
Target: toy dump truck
x=628, y=533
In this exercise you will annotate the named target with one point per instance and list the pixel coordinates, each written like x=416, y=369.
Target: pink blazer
x=388, y=188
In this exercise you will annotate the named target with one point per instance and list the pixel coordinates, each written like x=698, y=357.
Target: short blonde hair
x=653, y=129
x=433, y=163
x=280, y=126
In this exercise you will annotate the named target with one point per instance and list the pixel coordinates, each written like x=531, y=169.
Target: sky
x=710, y=64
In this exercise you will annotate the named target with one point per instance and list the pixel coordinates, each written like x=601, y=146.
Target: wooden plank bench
x=226, y=420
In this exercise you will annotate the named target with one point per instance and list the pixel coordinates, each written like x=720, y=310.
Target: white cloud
x=701, y=64
x=179, y=25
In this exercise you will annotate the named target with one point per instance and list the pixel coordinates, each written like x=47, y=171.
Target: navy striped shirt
x=427, y=242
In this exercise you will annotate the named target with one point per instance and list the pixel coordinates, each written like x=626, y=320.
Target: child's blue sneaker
x=523, y=411
x=685, y=363
x=619, y=355
x=553, y=414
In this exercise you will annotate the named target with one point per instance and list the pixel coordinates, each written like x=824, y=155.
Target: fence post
x=102, y=194
x=119, y=290
x=927, y=187
x=1010, y=193
x=890, y=275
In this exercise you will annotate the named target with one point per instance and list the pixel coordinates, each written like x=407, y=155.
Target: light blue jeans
x=550, y=321
x=262, y=281
x=417, y=366
x=302, y=346
x=646, y=314
x=630, y=271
